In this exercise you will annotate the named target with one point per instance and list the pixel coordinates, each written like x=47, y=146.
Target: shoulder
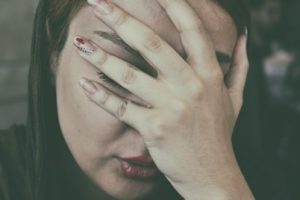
x=12, y=162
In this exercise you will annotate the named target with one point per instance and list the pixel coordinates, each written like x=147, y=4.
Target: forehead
x=216, y=20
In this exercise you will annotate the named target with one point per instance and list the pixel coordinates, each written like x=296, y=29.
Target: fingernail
x=88, y=86
x=247, y=37
x=84, y=45
x=246, y=32
x=102, y=6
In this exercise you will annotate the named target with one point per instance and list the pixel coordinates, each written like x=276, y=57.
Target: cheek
x=88, y=130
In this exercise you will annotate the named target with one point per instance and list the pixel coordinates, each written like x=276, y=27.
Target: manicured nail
x=88, y=86
x=84, y=45
x=102, y=6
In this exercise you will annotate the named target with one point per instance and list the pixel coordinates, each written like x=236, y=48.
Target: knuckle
x=129, y=76
x=121, y=109
x=152, y=42
x=101, y=97
x=101, y=58
x=119, y=19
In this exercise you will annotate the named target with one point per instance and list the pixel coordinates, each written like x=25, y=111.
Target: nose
x=135, y=140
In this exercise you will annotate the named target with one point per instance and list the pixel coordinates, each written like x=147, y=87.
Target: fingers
x=237, y=76
x=195, y=39
x=126, y=75
x=156, y=51
x=124, y=110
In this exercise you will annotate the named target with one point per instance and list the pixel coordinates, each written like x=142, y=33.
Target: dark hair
x=49, y=35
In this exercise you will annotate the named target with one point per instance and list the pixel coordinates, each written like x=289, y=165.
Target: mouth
x=140, y=168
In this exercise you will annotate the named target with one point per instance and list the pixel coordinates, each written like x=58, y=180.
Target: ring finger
x=125, y=110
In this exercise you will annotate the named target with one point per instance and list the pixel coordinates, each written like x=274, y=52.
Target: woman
x=152, y=115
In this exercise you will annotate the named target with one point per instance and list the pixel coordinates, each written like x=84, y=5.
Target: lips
x=141, y=167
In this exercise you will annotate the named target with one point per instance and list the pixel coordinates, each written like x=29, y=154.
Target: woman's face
x=97, y=140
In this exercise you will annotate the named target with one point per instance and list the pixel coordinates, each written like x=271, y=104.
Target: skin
x=192, y=109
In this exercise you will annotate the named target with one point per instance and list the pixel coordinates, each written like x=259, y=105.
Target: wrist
x=221, y=179
x=222, y=194
x=226, y=184
x=225, y=189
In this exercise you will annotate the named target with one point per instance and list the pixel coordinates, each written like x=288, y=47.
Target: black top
x=13, y=176
x=12, y=163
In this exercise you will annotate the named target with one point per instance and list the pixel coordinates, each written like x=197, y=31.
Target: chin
x=116, y=185
x=129, y=189
x=131, y=194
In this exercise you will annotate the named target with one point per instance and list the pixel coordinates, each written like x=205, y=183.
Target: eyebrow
x=114, y=38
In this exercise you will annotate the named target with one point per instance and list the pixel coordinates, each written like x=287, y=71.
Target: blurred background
x=16, y=18
x=269, y=125
x=271, y=113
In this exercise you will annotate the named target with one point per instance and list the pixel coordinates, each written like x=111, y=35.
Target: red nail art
x=84, y=45
x=80, y=40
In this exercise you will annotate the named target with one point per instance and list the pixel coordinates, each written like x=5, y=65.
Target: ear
x=54, y=61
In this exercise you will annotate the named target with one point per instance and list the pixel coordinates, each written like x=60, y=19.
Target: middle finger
x=156, y=51
x=195, y=39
